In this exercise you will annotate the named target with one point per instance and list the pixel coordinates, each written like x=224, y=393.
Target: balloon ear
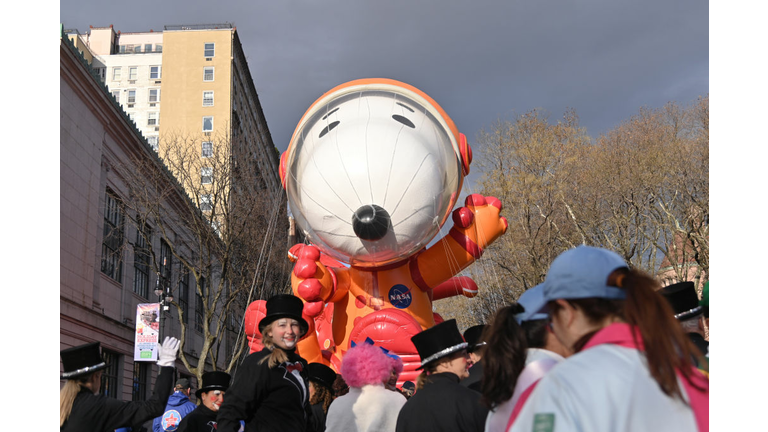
x=466, y=154
x=283, y=161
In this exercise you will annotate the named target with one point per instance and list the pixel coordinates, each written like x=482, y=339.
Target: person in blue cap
x=525, y=349
x=632, y=368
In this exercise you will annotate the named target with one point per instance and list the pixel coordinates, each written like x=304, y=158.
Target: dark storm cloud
x=480, y=60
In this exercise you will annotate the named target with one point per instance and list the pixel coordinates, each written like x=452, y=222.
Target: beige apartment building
x=188, y=83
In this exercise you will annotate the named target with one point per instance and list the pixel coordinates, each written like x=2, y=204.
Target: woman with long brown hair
x=632, y=368
x=503, y=361
x=270, y=391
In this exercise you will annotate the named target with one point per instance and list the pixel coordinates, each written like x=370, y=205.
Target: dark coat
x=443, y=405
x=317, y=420
x=267, y=399
x=99, y=413
x=475, y=377
x=202, y=419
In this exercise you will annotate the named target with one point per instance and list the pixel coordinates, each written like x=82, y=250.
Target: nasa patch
x=400, y=296
x=171, y=420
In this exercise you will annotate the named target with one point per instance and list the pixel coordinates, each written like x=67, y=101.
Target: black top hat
x=472, y=336
x=81, y=360
x=683, y=299
x=322, y=374
x=438, y=341
x=284, y=306
x=213, y=381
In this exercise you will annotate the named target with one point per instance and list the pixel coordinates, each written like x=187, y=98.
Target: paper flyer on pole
x=147, y=332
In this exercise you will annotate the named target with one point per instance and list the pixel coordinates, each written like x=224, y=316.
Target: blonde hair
x=68, y=394
x=277, y=355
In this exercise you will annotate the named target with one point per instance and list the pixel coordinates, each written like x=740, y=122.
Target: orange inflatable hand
x=478, y=224
x=312, y=281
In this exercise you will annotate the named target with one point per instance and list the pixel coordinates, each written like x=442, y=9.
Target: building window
x=155, y=72
x=206, y=175
x=140, y=376
x=154, y=95
x=207, y=149
x=207, y=98
x=158, y=47
x=208, y=124
x=209, y=49
x=112, y=246
x=199, y=307
x=141, y=261
x=109, y=376
x=147, y=47
x=133, y=73
x=208, y=74
x=137, y=48
x=166, y=260
x=117, y=73
x=206, y=202
x=153, y=119
x=184, y=294
x=152, y=141
x=116, y=95
x=122, y=49
x=131, y=96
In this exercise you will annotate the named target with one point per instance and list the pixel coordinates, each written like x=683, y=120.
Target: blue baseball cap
x=581, y=272
x=532, y=300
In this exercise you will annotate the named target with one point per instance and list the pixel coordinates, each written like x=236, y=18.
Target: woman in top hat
x=83, y=409
x=321, y=379
x=440, y=402
x=369, y=406
x=271, y=391
x=211, y=396
x=632, y=368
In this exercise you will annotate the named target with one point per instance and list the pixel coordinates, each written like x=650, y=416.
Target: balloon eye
x=328, y=129
x=404, y=121
x=329, y=113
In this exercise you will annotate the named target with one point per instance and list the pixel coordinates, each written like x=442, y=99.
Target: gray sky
x=481, y=61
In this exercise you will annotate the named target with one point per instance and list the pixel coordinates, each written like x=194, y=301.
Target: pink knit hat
x=366, y=364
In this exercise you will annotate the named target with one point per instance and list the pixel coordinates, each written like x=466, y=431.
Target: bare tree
x=641, y=189
x=223, y=228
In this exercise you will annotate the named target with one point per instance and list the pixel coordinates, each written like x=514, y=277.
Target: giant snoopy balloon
x=372, y=173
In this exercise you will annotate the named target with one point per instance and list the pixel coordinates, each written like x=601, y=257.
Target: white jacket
x=537, y=363
x=605, y=388
x=368, y=408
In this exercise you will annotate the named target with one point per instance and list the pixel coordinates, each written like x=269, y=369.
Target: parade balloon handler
x=368, y=406
x=440, y=402
x=211, y=396
x=270, y=390
x=83, y=409
x=177, y=408
x=504, y=360
x=475, y=347
x=632, y=368
x=689, y=313
x=503, y=357
x=321, y=379
x=373, y=172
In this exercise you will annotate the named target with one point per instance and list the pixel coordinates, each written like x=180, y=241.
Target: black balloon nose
x=370, y=222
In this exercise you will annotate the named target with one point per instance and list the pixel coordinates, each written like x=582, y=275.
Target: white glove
x=166, y=354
